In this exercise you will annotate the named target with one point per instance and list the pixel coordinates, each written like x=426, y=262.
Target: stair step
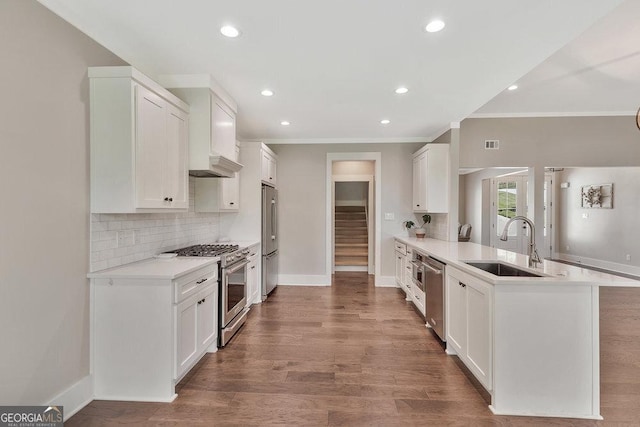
x=351, y=216
x=351, y=245
x=351, y=260
x=349, y=208
x=351, y=239
x=351, y=252
x=351, y=232
x=350, y=223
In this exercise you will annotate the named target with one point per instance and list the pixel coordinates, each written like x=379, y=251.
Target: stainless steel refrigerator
x=269, y=240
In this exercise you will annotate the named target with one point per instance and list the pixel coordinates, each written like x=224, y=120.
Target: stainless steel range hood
x=212, y=125
x=219, y=167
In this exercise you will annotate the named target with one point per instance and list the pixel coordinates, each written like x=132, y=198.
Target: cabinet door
x=478, y=351
x=268, y=168
x=419, y=183
x=253, y=283
x=273, y=166
x=186, y=335
x=400, y=269
x=207, y=318
x=230, y=196
x=151, y=149
x=457, y=314
x=436, y=180
x=223, y=129
x=176, y=179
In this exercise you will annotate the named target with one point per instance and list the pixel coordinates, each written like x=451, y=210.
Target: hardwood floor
x=354, y=355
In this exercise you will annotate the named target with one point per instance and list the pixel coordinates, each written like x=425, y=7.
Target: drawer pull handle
x=202, y=281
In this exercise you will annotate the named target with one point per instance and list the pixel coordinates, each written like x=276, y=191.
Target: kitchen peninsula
x=532, y=342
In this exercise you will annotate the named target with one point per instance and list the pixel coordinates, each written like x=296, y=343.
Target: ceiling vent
x=491, y=144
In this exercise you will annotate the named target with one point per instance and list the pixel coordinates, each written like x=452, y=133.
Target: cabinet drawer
x=191, y=283
x=401, y=247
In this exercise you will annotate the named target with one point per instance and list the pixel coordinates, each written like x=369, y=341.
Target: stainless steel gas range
x=232, y=285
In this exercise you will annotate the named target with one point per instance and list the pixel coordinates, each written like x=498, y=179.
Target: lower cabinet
x=469, y=323
x=196, y=329
x=253, y=278
x=147, y=333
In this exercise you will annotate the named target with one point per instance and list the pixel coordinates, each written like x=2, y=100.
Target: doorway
x=353, y=168
x=509, y=199
x=352, y=222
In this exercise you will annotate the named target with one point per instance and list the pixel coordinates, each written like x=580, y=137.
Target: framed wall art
x=597, y=196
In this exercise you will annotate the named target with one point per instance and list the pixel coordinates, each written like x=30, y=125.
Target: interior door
x=509, y=199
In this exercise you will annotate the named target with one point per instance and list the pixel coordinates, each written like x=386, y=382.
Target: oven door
x=418, y=274
x=233, y=296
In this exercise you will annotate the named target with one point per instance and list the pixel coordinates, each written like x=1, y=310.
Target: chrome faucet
x=534, y=258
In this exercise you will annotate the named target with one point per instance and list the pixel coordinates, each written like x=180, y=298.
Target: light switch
x=389, y=216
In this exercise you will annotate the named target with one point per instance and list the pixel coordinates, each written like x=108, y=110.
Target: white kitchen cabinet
x=254, y=293
x=268, y=166
x=223, y=128
x=139, y=144
x=218, y=194
x=431, y=179
x=149, y=331
x=469, y=323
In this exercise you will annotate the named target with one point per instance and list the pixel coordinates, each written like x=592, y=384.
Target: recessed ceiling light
x=285, y=123
x=434, y=26
x=385, y=121
x=512, y=87
x=267, y=92
x=230, y=31
x=402, y=90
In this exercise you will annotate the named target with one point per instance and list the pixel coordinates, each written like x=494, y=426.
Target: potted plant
x=420, y=231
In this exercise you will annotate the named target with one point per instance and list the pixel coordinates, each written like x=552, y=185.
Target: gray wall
x=557, y=141
x=44, y=217
x=606, y=234
x=352, y=193
x=301, y=187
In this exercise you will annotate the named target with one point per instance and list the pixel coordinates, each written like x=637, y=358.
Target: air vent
x=491, y=144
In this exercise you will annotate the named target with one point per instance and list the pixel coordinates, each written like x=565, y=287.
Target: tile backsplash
x=118, y=239
x=439, y=227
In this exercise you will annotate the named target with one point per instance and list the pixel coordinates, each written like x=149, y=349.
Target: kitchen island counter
x=458, y=253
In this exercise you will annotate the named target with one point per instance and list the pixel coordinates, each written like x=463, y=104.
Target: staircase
x=351, y=236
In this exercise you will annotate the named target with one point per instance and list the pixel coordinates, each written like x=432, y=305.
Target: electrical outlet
x=628, y=257
x=585, y=215
x=568, y=248
x=389, y=216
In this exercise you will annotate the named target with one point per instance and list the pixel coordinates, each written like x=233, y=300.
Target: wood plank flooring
x=356, y=355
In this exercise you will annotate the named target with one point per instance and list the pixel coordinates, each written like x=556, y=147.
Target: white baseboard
x=75, y=397
x=304, y=280
x=386, y=282
x=351, y=268
x=607, y=265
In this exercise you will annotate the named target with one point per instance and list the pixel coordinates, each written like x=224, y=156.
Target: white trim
x=415, y=139
x=591, y=262
x=75, y=397
x=534, y=414
x=188, y=81
x=304, y=280
x=331, y=157
x=454, y=125
x=386, y=282
x=362, y=268
x=136, y=398
x=551, y=114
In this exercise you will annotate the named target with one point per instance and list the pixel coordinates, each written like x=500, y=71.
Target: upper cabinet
x=431, y=179
x=268, y=166
x=212, y=132
x=139, y=144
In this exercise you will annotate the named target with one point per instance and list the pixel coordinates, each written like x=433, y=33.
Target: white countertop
x=155, y=268
x=456, y=253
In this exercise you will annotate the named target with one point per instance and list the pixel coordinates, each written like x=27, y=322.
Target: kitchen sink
x=500, y=269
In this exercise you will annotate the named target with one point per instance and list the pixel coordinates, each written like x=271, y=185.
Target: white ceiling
x=597, y=73
x=334, y=64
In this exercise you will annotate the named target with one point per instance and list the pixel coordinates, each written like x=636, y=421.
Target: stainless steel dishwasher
x=434, y=290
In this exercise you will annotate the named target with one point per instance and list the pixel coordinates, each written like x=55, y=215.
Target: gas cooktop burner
x=205, y=250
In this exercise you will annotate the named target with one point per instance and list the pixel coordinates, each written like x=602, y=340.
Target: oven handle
x=417, y=265
x=237, y=266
